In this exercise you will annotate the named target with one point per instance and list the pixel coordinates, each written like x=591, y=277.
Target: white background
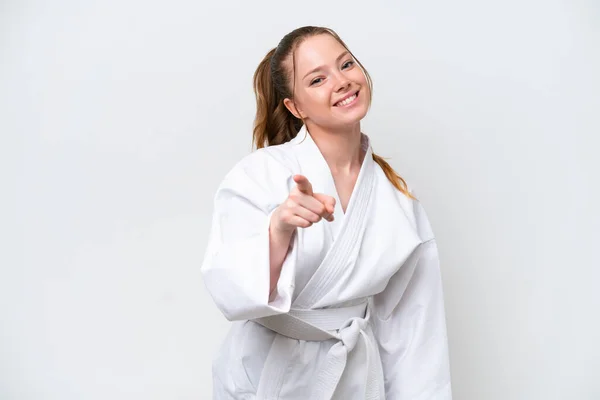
x=118, y=119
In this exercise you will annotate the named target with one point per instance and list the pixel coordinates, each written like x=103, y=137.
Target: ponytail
x=274, y=123
x=393, y=177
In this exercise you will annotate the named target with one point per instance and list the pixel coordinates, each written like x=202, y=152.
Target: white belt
x=346, y=325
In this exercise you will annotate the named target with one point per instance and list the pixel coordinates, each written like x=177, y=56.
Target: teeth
x=347, y=101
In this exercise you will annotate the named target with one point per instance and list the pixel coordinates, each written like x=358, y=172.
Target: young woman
x=319, y=251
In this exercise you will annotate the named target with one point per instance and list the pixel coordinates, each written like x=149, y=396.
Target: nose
x=342, y=83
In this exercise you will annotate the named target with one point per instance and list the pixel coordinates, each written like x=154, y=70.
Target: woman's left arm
x=410, y=325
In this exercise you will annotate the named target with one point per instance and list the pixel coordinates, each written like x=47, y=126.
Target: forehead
x=316, y=51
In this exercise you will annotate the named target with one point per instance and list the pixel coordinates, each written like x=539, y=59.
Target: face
x=331, y=90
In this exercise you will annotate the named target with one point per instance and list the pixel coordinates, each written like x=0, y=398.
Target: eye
x=316, y=81
x=347, y=64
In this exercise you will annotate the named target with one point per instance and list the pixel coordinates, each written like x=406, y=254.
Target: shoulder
x=386, y=186
x=421, y=219
x=412, y=207
x=261, y=164
x=261, y=177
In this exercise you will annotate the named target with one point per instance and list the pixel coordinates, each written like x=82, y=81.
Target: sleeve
x=236, y=269
x=410, y=324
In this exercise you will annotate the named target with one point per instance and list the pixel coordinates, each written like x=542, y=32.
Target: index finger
x=328, y=201
x=303, y=184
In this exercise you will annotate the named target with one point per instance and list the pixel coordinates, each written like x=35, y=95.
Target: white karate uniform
x=358, y=306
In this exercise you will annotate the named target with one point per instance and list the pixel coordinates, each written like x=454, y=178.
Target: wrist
x=279, y=232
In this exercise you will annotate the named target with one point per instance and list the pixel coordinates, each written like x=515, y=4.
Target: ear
x=292, y=107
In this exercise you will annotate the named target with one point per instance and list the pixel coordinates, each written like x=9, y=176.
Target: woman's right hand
x=302, y=208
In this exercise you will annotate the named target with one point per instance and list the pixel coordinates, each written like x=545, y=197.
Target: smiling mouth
x=347, y=100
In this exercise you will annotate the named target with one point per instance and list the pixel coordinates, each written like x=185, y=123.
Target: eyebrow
x=345, y=53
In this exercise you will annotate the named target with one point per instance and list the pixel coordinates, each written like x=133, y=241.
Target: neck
x=341, y=148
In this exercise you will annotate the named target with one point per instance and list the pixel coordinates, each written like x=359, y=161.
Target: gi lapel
x=349, y=235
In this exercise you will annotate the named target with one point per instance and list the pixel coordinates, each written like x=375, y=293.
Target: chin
x=352, y=118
